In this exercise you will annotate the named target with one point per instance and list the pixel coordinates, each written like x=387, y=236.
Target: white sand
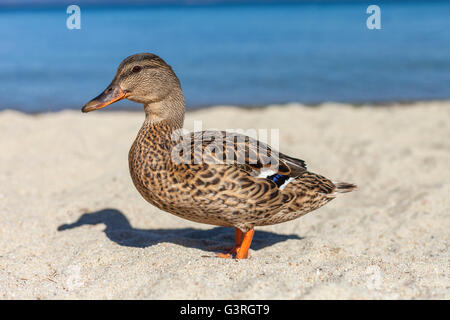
x=389, y=239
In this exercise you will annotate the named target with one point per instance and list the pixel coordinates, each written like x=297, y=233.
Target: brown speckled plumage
x=207, y=189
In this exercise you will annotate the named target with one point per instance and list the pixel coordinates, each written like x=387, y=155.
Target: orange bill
x=112, y=94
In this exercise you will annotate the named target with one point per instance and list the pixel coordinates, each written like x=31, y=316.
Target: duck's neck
x=169, y=111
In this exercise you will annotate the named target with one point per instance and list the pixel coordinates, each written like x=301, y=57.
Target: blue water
x=245, y=55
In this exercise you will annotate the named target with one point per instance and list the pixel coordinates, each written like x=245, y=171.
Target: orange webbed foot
x=230, y=253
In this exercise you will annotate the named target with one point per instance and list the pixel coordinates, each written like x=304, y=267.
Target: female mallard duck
x=188, y=175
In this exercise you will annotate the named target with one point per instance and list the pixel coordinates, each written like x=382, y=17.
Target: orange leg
x=238, y=236
x=243, y=242
x=238, y=239
x=245, y=246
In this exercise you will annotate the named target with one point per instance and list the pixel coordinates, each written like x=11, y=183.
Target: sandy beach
x=72, y=225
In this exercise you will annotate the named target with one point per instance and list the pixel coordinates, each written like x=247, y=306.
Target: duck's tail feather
x=343, y=187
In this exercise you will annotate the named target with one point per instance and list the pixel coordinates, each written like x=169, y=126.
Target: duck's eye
x=136, y=69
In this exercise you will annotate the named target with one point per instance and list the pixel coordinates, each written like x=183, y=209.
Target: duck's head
x=144, y=78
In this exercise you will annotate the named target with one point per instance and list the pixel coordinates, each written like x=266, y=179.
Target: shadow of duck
x=119, y=230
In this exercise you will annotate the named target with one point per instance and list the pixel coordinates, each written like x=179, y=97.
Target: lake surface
x=240, y=54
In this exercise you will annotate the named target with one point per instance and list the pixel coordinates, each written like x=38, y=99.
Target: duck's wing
x=243, y=152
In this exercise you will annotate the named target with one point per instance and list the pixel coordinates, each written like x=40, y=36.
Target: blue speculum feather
x=279, y=179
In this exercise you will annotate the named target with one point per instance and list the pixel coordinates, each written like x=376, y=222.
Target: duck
x=212, y=177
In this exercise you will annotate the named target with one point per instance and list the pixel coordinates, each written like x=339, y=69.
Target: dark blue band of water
x=244, y=55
